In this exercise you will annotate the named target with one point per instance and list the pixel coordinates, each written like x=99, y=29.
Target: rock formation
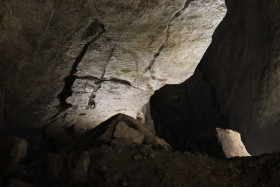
x=231, y=143
x=81, y=62
x=235, y=86
x=71, y=71
x=96, y=159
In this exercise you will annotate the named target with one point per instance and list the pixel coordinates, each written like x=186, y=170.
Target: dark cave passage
x=187, y=116
x=235, y=86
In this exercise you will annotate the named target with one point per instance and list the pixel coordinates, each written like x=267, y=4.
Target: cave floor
x=143, y=165
x=140, y=166
x=109, y=156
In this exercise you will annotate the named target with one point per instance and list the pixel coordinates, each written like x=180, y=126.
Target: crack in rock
x=109, y=57
x=121, y=81
x=175, y=15
x=95, y=29
x=91, y=103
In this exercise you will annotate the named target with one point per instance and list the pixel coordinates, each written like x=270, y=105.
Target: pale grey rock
x=97, y=57
x=189, y=35
x=82, y=93
x=158, y=43
x=231, y=143
x=111, y=98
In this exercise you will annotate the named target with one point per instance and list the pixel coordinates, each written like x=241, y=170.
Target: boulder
x=231, y=143
x=123, y=131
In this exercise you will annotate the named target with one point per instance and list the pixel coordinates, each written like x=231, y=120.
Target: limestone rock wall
x=72, y=62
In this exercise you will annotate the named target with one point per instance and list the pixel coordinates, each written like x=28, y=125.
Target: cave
x=139, y=93
x=234, y=86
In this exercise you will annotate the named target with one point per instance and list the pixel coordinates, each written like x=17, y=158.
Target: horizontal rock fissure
x=116, y=80
x=91, y=102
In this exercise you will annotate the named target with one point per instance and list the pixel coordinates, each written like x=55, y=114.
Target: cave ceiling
x=81, y=62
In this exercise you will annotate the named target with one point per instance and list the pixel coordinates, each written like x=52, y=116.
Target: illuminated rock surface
x=231, y=143
x=112, y=54
x=68, y=65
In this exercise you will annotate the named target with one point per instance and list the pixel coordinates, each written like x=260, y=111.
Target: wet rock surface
x=93, y=160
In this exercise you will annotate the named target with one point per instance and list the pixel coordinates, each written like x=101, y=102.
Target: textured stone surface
x=231, y=143
x=34, y=36
x=89, y=163
x=81, y=62
x=119, y=130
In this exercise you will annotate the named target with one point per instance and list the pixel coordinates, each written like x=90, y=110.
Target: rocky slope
x=110, y=156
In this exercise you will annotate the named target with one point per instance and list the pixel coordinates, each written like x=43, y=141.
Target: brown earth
x=97, y=159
